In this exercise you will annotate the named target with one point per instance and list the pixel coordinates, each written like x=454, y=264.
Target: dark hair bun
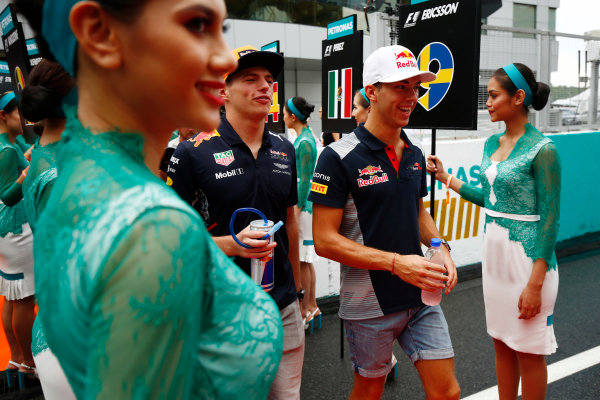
x=540, y=97
x=38, y=103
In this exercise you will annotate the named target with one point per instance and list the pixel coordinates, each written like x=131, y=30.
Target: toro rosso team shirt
x=380, y=197
x=216, y=173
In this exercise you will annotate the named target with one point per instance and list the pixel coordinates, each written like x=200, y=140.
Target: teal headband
x=517, y=78
x=295, y=111
x=362, y=91
x=57, y=32
x=4, y=100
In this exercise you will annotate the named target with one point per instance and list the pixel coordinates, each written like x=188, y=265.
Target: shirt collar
x=231, y=137
x=373, y=143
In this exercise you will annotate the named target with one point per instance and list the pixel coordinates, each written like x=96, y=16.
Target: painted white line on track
x=556, y=371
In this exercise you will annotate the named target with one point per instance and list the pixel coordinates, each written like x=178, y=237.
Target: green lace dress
x=16, y=261
x=306, y=158
x=136, y=299
x=521, y=196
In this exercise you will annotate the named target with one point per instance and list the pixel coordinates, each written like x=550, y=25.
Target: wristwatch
x=301, y=294
x=445, y=243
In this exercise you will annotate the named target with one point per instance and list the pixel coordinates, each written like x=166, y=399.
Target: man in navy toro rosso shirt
x=368, y=214
x=242, y=164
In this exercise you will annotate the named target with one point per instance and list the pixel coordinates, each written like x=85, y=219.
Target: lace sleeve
x=303, y=165
x=10, y=191
x=547, y=174
x=472, y=193
x=147, y=310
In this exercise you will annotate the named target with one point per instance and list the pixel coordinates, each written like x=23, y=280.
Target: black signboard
x=444, y=36
x=342, y=67
x=15, y=48
x=275, y=118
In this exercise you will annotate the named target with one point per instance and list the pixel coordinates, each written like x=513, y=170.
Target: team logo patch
x=202, y=136
x=318, y=188
x=416, y=167
x=278, y=155
x=371, y=172
x=225, y=158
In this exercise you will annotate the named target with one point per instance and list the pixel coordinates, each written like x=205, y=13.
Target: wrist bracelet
x=448, y=188
x=394, y=264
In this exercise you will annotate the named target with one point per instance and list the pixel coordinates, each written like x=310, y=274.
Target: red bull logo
x=405, y=54
x=202, y=136
x=369, y=170
x=416, y=167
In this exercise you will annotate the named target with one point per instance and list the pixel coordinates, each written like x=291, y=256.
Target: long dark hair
x=540, y=90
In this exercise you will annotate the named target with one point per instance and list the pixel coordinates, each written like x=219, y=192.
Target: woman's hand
x=530, y=301
x=435, y=167
x=23, y=175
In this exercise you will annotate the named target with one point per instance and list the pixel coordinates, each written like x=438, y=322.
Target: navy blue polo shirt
x=380, y=197
x=216, y=173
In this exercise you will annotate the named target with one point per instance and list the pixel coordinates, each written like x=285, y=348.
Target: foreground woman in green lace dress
x=521, y=193
x=47, y=85
x=136, y=299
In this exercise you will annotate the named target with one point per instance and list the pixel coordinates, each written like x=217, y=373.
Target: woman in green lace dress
x=136, y=299
x=16, y=250
x=296, y=112
x=47, y=86
x=520, y=194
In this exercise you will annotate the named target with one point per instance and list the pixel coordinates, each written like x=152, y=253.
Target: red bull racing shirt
x=380, y=197
x=216, y=173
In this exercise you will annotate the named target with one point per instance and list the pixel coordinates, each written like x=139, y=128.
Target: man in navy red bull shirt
x=242, y=164
x=368, y=214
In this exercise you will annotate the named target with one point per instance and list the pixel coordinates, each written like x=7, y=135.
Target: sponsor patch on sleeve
x=318, y=188
x=169, y=181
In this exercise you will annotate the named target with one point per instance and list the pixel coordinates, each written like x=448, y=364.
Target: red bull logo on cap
x=408, y=57
x=404, y=54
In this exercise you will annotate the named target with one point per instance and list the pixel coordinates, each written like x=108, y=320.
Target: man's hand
x=451, y=270
x=418, y=271
x=260, y=247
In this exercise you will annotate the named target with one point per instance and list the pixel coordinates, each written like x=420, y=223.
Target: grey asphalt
x=577, y=328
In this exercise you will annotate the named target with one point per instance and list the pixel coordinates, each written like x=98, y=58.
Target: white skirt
x=16, y=265
x=307, y=248
x=505, y=272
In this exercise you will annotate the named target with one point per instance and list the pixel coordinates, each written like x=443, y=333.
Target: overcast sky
x=576, y=17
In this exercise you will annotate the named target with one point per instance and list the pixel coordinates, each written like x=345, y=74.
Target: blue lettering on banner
x=340, y=28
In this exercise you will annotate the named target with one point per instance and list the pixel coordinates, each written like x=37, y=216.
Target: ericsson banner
x=445, y=36
x=341, y=76
x=275, y=118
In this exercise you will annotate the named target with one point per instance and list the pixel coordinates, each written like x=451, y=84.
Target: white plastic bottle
x=435, y=255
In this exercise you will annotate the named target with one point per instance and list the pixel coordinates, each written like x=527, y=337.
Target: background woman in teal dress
x=16, y=258
x=47, y=85
x=136, y=299
x=520, y=191
x=296, y=112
